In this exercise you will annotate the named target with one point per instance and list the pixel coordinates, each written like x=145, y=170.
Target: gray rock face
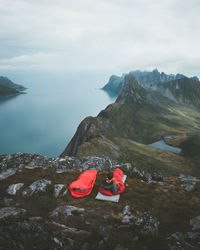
x=12, y=164
x=188, y=182
x=9, y=172
x=148, y=224
x=179, y=240
x=57, y=189
x=65, y=192
x=157, y=177
x=8, y=212
x=36, y=187
x=127, y=216
x=12, y=189
x=148, y=177
x=135, y=173
x=195, y=223
x=32, y=233
x=65, y=211
x=70, y=229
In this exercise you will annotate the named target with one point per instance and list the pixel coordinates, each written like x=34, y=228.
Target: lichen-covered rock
x=195, y=223
x=13, y=188
x=65, y=211
x=32, y=233
x=188, y=182
x=57, y=189
x=135, y=173
x=99, y=163
x=65, y=192
x=36, y=187
x=8, y=212
x=147, y=223
x=157, y=177
x=126, y=214
x=179, y=240
x=148, y=177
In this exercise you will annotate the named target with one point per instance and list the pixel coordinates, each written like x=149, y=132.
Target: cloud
x=117, y=35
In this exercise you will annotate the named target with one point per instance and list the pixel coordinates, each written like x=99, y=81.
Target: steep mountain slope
x=6, y=91
x=4, y=81
x=148, y=79
x=140, y=116
x=184, y=91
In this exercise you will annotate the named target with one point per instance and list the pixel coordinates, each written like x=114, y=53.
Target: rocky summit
x=38, y=212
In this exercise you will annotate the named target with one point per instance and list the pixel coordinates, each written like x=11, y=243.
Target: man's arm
x=114, y=187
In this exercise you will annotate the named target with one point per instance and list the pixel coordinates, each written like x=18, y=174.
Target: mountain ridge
x=146, y=78
x=139, y=116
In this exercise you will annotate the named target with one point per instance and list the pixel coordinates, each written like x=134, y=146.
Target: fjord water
x=45, y=118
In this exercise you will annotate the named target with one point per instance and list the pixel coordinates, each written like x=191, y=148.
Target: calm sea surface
x=44, y=120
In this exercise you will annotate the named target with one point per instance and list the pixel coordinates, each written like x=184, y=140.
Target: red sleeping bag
x=84, y=184
x=117, y=175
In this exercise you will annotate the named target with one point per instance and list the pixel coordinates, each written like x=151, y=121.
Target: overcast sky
x=110, y=35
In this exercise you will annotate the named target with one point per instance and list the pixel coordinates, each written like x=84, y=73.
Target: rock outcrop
x=37, y=212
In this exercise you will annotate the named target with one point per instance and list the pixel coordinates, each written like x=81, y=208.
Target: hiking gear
x=84, y=184
x=113, y=198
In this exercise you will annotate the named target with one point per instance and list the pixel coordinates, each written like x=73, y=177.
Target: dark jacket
x=112, y=186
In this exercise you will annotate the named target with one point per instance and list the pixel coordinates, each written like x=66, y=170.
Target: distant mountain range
x=146, y=78
x=8, y=88
x=141, y=116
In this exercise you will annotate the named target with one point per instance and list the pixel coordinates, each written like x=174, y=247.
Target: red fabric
x=85, y=181
x=117, y=174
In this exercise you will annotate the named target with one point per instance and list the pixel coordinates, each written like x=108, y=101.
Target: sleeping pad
x=117, y=177
x=84, y=184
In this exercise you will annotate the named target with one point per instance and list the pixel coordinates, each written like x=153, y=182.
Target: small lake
x=162, y=145
x=44, y=120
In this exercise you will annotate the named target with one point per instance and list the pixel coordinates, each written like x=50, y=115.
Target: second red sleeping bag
x=84, y=184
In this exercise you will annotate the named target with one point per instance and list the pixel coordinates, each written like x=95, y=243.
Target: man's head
x=109, y=177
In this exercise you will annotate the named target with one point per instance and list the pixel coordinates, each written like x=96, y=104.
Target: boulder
x=12, y=189
x=195, y=223
x=135, y=173
x=147, y=223
x=65, y=211
x=36, y=187
x=157, y=177
x=10, y=212
x=57, y=189
x=179, y=240
x=126, y=214
x=187, y=182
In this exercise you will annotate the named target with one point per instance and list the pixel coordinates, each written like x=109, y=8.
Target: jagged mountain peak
x=132, y=91
x=146, y=78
